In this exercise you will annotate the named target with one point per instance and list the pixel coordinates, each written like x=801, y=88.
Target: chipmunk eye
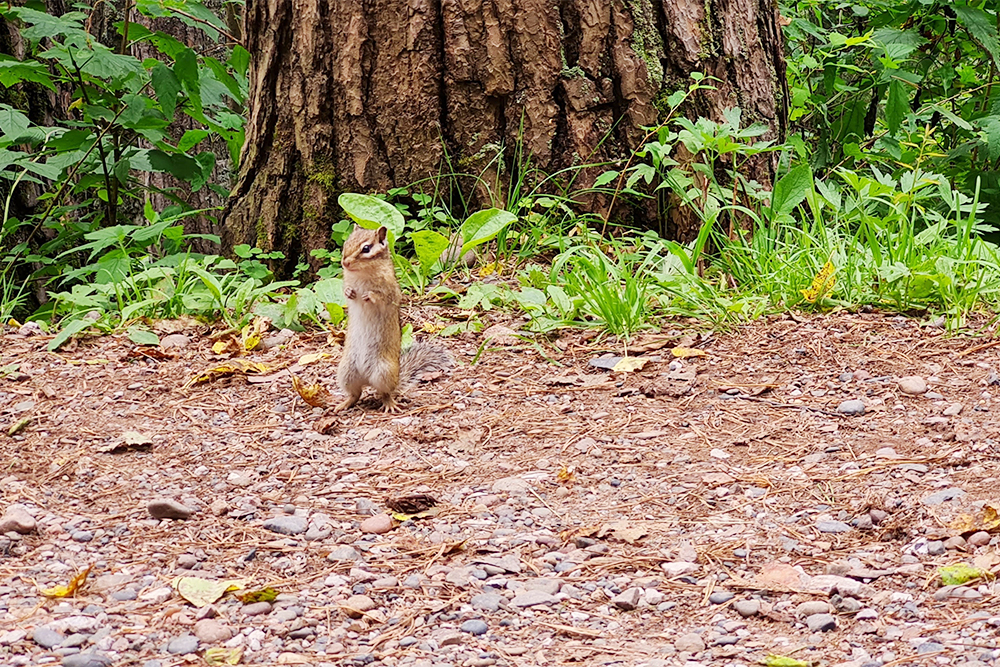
x=367, y=249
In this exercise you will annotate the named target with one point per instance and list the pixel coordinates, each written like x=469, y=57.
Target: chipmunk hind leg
x=385, y=380
x=351, y=383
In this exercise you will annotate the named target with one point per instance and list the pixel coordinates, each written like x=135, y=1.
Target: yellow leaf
x=822, y=284
x=230, y=367
x=203, y=592
x=686, y=352
x=70, y=589
x=403, y=516
x=14, y=324
x=312, y=358
x=630, y=364
x=252, y=334
x=220, y=346
x=223, y=656
x=784, y=661
x=487, y=269
x=566, y=475
x=315, y=395
x=263, y=595
x=431, y=327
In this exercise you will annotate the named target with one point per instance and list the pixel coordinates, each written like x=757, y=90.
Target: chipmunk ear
x=382, y=232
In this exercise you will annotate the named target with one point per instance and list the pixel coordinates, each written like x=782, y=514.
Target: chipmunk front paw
x=350, y=292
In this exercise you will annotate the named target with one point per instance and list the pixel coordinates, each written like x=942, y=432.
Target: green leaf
x=166, y=85
x=896, y=106
x=14, y=71
x=180, y=166
x=224, y=77
x=141, y=336
x=69, y=330
x=993, y=137
x=330, y=290
x=605, y=178
x=791, y=190
x=186, y=69
x=429, y=246
x=239, y=60
x=45, y=25
x=371, y=212
x=191, y=139
x=482, y=226
x=982, y=26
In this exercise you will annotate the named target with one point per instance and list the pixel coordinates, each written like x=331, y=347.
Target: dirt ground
x=682, y=513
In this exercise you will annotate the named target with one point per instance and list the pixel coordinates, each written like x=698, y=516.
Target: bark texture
x=365, y=95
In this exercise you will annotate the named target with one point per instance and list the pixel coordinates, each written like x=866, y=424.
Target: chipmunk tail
x=421, y=358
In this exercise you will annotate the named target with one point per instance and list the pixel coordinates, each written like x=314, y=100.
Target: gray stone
x=183, y=645
x=832, y=527
x=357, y=605
x=510, y=485
x=929, y=647
x=953, y=410
x=720, y=597
x=935, y=547
x=17, y=520
x=86, y=660
x=82, y=536
x=344, y=553
x=812, y=607
x=531, y=598
x=487, y=601
x=164, y=508
x=690, y=643
x=174, y=340
x=125, y=595
x=913, y=385
x=475, y=627
x=210, y=631
x=287, y=524
x=46, y=637
x=821, y=623
x=256, y=608
x=942, y=496
x=852, y=407
x=747, y=608
x=377, y=525
x=979, y=539
x=627, y=599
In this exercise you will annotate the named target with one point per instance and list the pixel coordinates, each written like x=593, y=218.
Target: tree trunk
x=366, y=96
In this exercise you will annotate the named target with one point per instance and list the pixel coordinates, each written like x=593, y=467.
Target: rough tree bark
x=351, y=95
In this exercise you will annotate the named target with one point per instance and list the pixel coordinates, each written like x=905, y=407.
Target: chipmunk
x=372, y=347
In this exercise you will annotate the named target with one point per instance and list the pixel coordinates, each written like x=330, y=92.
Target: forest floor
x=711, y=510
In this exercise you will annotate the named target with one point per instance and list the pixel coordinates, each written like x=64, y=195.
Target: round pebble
x=475, y=627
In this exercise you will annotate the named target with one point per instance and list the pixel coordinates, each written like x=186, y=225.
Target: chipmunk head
x=364, y=245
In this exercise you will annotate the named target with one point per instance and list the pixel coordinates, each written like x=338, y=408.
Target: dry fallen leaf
x=966, y=523
x=203, y=592
x=315, y=395
x=630, y=364
x=312, y=358
x=688, y=352
x=252, y=334
x=223, y=656
x=69, y=589
x=624, y=531
x=411, y=504
x=231, y=367
x=566, y=475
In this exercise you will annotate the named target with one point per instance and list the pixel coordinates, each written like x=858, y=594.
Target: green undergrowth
x=883, y=197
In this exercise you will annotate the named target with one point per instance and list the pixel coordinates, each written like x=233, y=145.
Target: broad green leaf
x=191, y=139
x=330, y=290
x=103, y=63
x=180, y=166
x=223, y=76
x=14, y=71
x=896, y=106
x=43, y=25
x=239, y=60
x=791, y=190
x=605, y=178
x=166, y=85
x=141, y=336
x=993, y=137
x=69, y=330
x=429, y=245
x=561, y=299
x=982, y=26
x=371, y=212
x=482, y=226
